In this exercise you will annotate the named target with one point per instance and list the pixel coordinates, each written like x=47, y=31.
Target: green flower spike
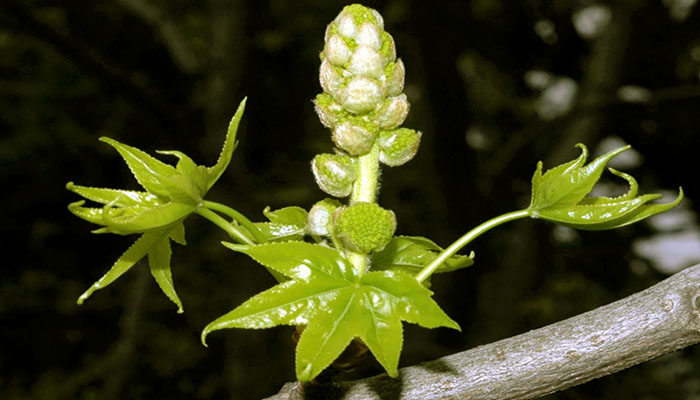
x=171, y=194
x=362, y=80
x=559, y=195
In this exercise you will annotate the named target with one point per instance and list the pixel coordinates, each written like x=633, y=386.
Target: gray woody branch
x=638, y=328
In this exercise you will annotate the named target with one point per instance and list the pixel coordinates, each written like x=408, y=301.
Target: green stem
x=232, y=230
x=240, y=218
x=365, y=190
x=468, y=237
x=365, y=187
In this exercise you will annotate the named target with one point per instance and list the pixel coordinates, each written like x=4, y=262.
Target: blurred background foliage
x=495, y=87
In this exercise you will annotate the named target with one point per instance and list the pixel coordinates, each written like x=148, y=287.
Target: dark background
x=169, y=75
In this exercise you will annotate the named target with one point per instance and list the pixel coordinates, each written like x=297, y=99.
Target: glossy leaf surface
x=411, y=253
x=214, y=172
x=559, y=195
x=288, y=223
x=171, y=194
x=155, y=245
x=336, y=304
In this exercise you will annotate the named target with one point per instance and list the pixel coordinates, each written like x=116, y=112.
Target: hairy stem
x=233, y=231
x=367, y=184
x=365, y=190
x=468, y=237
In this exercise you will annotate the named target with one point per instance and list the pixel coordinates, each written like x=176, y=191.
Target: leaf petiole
x=237, y=216
x=468, y=237
x=232, y=230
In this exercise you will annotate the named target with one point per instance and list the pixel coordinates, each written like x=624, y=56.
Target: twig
x=638, y=328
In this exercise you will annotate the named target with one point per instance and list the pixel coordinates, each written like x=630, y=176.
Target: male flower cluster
x=363, y=101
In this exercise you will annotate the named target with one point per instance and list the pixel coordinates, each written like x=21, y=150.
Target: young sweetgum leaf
x=127, y=212
x=559, y=195
x=294, y=216
x=336, y=304
x=567, y=184
x=151, y=173
x=287, y=223
x=155, y=245
x=172, y=193
x=411, y=253
x=218, y=169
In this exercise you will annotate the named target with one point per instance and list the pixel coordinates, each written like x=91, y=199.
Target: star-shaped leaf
x=287, y=223
x=411, y=253
x=559, y=195
x=126, y=212
x=156, y=245
x=171, y=194
x=336, y=303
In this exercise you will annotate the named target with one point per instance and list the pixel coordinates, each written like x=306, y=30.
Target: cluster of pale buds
x=363, y=101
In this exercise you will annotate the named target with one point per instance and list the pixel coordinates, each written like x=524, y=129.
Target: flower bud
x=395, y=75
x=334, y=173
x=329, y=112
x=346, y=25
x=361, y=95
x=388, y=49
x=392, y=112
x=337, y=51
x=331, y=79
x=369, y=35
x=354, y=136
x=398, y=146
x=319, y=218
x=363, y=83
x=364, y=227
x=355, y=60
x=366, y=61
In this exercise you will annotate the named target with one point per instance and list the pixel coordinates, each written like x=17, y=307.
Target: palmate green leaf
x=336, y=304
x=214, y=172
x=187, y=181
x=115, y=197
x=151, y=173
x=287, y=223
x=192, y=179
x=155, y=245
x=185, y=184
x=172, y=193
x=411, y=253
x=560, y=196
x=569, y=183
x=129, y=220
x=126, y=212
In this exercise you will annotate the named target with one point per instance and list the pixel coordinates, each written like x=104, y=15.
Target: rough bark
x=638, y=328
